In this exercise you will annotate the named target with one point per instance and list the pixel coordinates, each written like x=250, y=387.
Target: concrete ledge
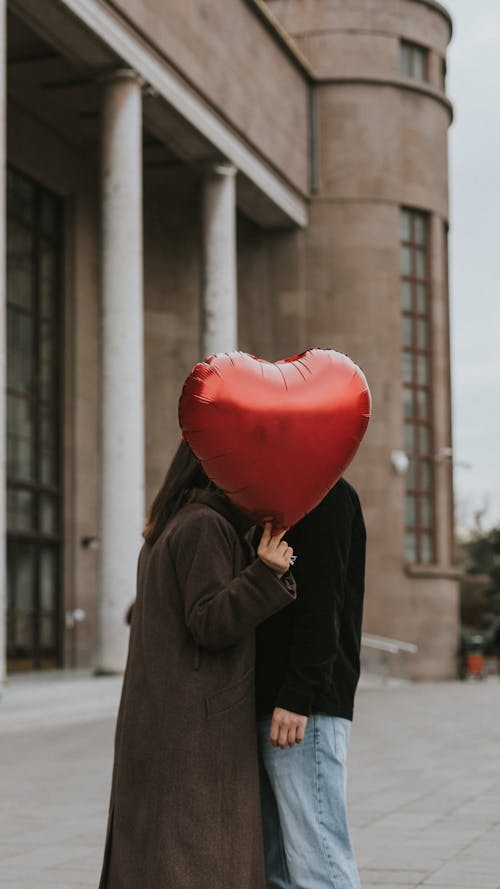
x=441, y=572
x=401, y=83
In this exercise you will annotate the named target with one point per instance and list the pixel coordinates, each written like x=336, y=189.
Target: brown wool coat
x=184, y=809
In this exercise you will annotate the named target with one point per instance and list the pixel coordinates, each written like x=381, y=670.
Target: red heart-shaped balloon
x=275, y=437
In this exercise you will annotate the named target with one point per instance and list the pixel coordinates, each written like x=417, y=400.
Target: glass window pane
x=33, y=254
x=422, y=396
x=410, y=438
x=411, y=475
x=419, y=63
x=48, y=214
x=21, y=576
x=422, y=369
x=47, y=446
x=424, y=441
x=19, y=510
x=20, y=197
x=405, y=260
x=426, y=548
x=47, y=362
x=422, y=333
x=407, y=367
x=421, y=298
x=420, y=263
x=405, y=59
x=425, y=512
x=20, y=438
x=19, y=265
x=410, y=510
x=407, y=330
x=411, y=546
x=425, y=475
x=48, y=280
x=48, y=598
x=20, y=351
x=48, y=514
x=406, y=304
x=405, y=225
x=420, y=229
x=408, y=401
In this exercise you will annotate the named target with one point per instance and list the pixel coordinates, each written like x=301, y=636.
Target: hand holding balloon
x=274, y=551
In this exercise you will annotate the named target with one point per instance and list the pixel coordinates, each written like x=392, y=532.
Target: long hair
x=184, y=473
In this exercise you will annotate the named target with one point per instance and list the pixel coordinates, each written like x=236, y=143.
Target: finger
x=277, y=537
x=301, y=730
x=281, y=547
x=275, y=729
x=292, y=735
x=266, y=534
x=283, y=736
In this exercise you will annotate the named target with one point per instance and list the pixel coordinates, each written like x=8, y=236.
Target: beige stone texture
x=382, y=146
x=172, y=275
x=334, y=284
x=381, y=143
x=223, y=48
x=419, y=21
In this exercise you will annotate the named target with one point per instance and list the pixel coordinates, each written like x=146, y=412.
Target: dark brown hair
x=184, y=473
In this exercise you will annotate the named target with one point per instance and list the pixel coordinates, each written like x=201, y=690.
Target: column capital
x=121, y=74
x=218, y=168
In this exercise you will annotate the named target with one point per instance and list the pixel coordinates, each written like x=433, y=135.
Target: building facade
x=185, y=178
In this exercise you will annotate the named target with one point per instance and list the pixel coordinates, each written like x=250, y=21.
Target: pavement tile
x=464, y=880
x=390, y=878
x=424, y=784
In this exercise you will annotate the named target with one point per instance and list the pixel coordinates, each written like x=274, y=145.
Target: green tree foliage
x=480, y=589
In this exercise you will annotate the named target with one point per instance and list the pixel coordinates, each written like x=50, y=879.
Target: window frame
x=418, y=492
x=414, y=49
x=39, y=541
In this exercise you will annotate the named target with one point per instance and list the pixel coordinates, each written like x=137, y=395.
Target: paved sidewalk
x=425, y=783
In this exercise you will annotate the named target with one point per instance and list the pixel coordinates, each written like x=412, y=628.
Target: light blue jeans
x=304, y=808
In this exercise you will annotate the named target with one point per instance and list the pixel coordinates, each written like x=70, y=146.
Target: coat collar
x=217, y=500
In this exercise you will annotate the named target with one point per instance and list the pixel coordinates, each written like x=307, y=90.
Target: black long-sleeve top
x=308, y=655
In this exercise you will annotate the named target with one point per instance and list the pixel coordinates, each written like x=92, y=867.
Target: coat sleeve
x=220, y=609
x=328, y=546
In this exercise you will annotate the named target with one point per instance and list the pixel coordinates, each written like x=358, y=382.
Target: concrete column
x=219, y=331
x=3, y=344
x=122, y=367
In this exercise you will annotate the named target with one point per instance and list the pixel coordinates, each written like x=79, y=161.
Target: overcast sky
x=474, y=87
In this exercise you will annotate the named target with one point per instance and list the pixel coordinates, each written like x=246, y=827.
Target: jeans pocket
x=341, y=735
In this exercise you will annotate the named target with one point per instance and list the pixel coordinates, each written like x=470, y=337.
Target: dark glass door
x=34, y=259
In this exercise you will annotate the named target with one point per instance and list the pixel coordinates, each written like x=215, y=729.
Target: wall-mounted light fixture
x=400, y=462
x=74, y=617
x=90, y=542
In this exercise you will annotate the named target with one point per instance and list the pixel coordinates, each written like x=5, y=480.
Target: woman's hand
x=273, y=551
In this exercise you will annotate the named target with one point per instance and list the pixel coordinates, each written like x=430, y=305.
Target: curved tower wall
x=381, y=145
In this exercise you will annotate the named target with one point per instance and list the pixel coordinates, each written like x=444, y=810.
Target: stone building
x=190, y=177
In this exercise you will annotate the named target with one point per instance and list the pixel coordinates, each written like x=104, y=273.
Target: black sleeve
x=322, y=544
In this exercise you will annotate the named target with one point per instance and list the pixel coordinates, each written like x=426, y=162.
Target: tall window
x=416, y=374
x=33, y=441
x=414, y=61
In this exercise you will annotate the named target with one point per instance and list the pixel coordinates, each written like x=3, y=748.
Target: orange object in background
x=475, y=664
